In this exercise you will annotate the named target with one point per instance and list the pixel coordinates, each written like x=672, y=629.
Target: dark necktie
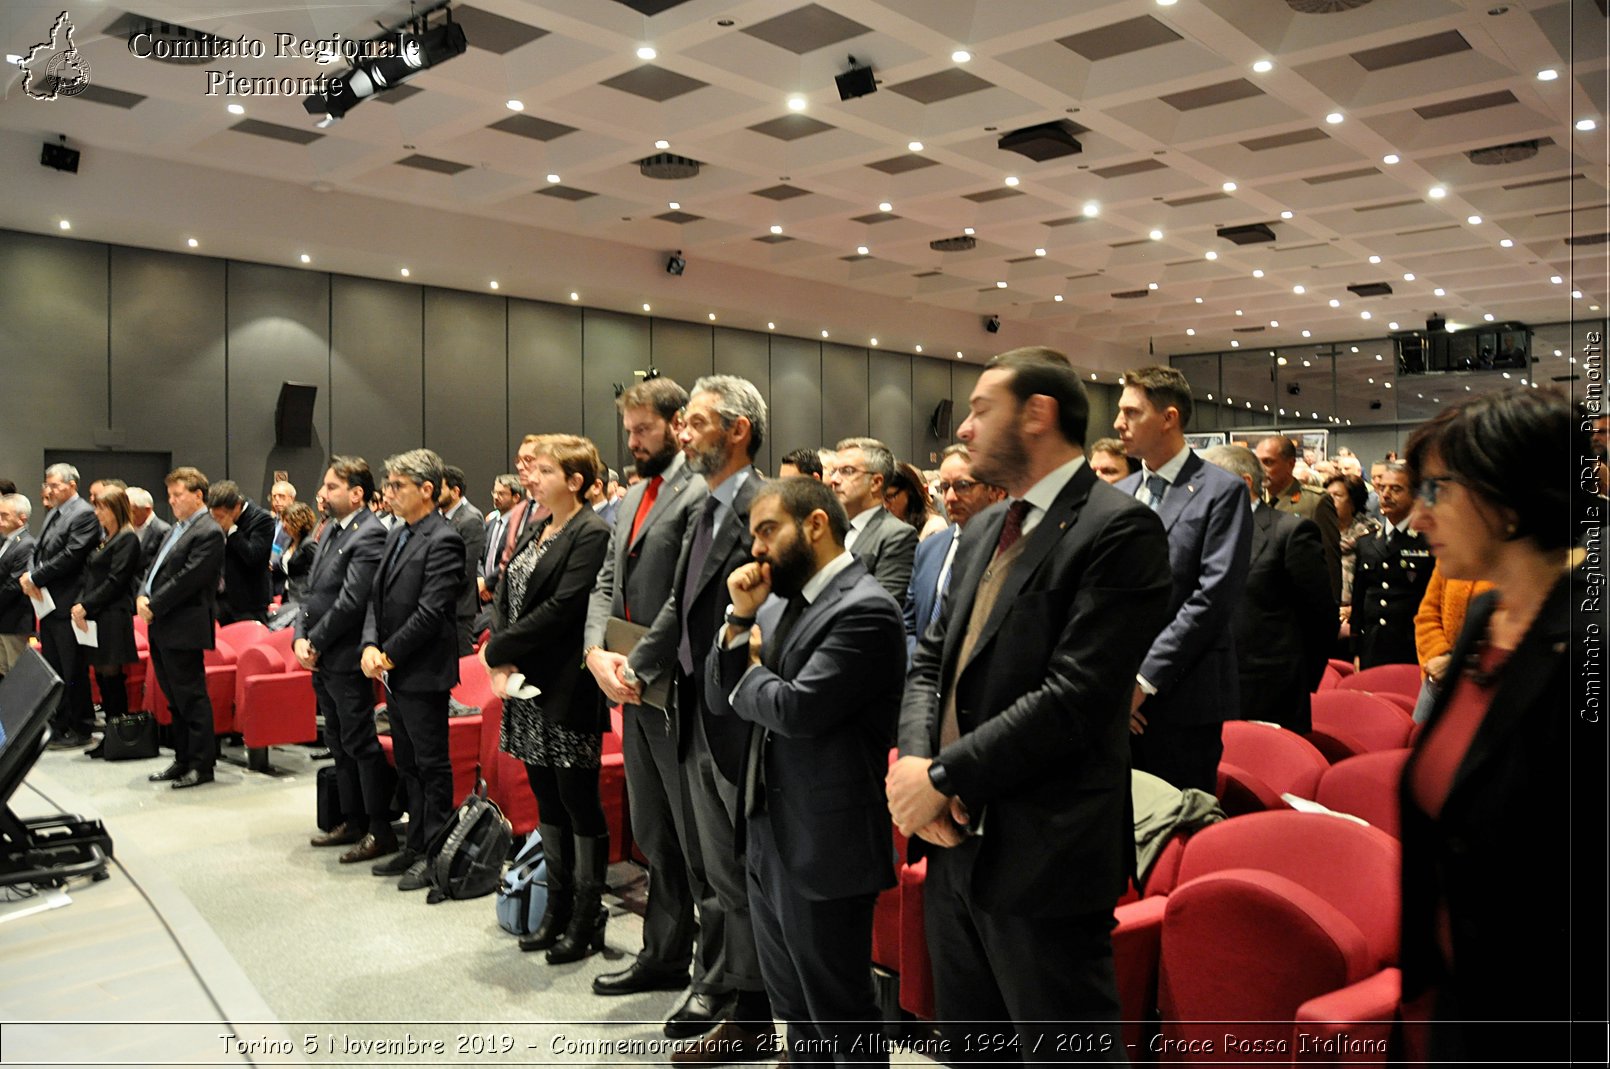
x=1012, y=529
x=1156, y=487
x=771, y=652
x=703, y=536
x=326, y=546
x=396, y=551
x=494, y=545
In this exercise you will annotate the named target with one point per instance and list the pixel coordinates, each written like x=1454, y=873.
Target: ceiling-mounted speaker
x=1436, y=325
x=939, y=422
x=1514, y=152
x=1371, y=289
x=856, y=82
x=1324, y=7
x=1250, y=234
x=668, y=167
x=961, y=243
x=293, y=415
x=1047, y=141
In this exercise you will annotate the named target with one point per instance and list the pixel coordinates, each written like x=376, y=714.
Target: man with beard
x=632, y=585
x=1013, y=774
x=724, y=426
x=964, y=498
x=812, y=659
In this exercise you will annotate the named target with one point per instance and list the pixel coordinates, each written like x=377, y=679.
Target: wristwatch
x=734, y=620
x=940, y=779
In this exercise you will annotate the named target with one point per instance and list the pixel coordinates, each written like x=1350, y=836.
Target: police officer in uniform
x=1390, y=579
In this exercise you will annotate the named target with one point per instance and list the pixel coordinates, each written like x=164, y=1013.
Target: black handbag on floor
x=130, y=737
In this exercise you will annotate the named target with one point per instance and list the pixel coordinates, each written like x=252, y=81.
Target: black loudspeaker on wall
x=939, y=423
x=293, y=415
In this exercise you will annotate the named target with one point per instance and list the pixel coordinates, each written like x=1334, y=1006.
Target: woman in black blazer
x=297, y=560
x=107, y=600
x=1505, y=792
x=537, y=620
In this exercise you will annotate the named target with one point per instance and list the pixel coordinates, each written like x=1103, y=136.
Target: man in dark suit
x=179, y=602
x=1286, y=622
x=964, y=498
x=410, y=644
x=328, y=628
x=811, y=657
x=70, y=535
x=249, y=542
x=1390, y=578
x=471, y=527
x=882, y=541
x=1186, y=686
x=634, y=582
x=724, y=426
x=16, y=554
x=151, y=528
x=1013, y=773
x=1278, y=455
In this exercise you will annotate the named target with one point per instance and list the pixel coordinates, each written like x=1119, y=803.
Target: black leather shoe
x=640, y=976
x=195, y=777
x=72, y=740
x=98, y=750
x=368, y=848
x=173, y=771
x=397, y=864
x=701, y=1012
x=414, y=879
x=342, y=834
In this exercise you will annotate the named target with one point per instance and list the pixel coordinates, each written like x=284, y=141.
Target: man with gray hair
x=882, y=541
x=70, y=535
x=150, y=527
x=16, y=550
x=1285, y=623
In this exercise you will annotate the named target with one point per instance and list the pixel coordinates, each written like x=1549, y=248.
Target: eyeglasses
x=1430, y=488
x=399, y=484
x=848, y=471
x=961, y=486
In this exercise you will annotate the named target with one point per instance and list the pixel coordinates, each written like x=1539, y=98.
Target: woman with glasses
x=107, y=601
x=1504, y=796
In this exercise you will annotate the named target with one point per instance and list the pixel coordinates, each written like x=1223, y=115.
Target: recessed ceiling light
x=1092, y=376
x=1156, y=235
x=1378, y=357
x=1263, y=66
x=1151, y=285
x=674, y=205
x=874, y=341
x=1306, y=335
x=1228, y=187
x=404, y=272
x=1556, y=279
x=961, y=55
x=1558, y=352
x=1392, y=325
x=776, y=228
x=1011, y=179
x=646, y=308
x=1039, y=252
x=1191, y=331
x=1211, y=255
x=1364, y=315
x=824, y=333
x=1488, y=316
x=493, y=284
x=553, y=179
x=1436, y=192
x=968, y=231
x=1408, y=276
x=773, y=326
x=1375, y=259
x=646, y=53
x=1577, y=294
x=1257, y=272
x=914, y=146
x=305, y=258
x=1198, y=300
x=1334, y=303
x=1091, y=209
x=575, y=296
x=1166, y=3
x=1234, y=344
x=1354, y=349
x=1506, y=243
x=1057, y=298
x=712, y=317
x=236, y=109
x=1586, y=124
x=917, y=347
x=862, y=250
x=662, y=144
x=1390, y=158
x=796, y=103
x=515, y=105
x=192, y=242
x=885, y=206
x=1334, y=117
x=1439, y=292
x=1299, y=290
x=1274, y=323
x=1238, y=311
x=958, y=354
x=1473, y=220
x=1000, y=285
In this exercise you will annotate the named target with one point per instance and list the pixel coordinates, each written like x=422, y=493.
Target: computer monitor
x=28, y=695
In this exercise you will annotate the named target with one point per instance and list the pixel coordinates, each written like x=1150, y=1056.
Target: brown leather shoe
x=368, y=848
x=342, y=834
x=727, y=1042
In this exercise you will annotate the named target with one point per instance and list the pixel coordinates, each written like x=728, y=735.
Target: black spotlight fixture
x=387, y=61
x=675, y=264
x=59, y=156
x=858, y=81
x=992, y=324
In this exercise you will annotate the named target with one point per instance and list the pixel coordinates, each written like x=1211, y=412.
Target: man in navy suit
x=178, y=600
x=964, y=498
x=819, y=677
x=328, y=628
x=70, y=535
x=249, y=534
x=1013, y=774
x=410, y=643
x=1187, y=685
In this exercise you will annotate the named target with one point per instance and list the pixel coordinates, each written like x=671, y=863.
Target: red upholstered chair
x=274, y=700
x=1287, y=925
x=1351, y=722
x=1401, y=679
x=916, y=969
x=1263, y=761
x=1328, y=680
x=1367, y=787
x=1343, y=668
x=886, y=911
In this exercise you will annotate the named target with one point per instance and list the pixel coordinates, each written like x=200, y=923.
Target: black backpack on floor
x=465, y=858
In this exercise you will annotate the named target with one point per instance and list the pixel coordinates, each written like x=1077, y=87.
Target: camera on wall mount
x=992, y=324
x=675, y=264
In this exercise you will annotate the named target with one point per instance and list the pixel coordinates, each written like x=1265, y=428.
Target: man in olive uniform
x=1390, y=579
x=1282, y=492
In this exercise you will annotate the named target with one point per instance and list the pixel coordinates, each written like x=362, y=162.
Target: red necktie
x=645, y=506
x=1012, y=529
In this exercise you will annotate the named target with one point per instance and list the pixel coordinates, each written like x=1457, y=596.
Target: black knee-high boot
x=558, y=852
x=114, y=703
x=585, y=933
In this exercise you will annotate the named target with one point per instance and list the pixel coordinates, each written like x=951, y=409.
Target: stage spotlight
x=401, y=53
x=675, y=264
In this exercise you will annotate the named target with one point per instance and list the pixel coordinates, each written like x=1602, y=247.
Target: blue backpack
x=523, y=895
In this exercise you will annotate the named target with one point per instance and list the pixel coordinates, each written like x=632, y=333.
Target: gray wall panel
x=377, y=395
x=796, y=395
x=279, y=331
x=930, y=384
x=889, y=389
x=748, y=355
x=682, y=351
x=844, y=392
x=167, y=340
x=616, y=345
x=53, y=351
x=466, y=417
x=544, y=372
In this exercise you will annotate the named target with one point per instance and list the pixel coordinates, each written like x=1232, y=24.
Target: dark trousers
x=419, y=742
x=1186, y=755
x=1012, y=988
x=182, y=675
x=75, y=714
x=347, y=701
x=662, y=826
x=816, y=957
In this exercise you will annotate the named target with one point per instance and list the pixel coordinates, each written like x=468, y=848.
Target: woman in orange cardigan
x=1436, y=630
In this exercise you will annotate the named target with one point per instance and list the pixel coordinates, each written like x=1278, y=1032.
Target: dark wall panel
x=682, y=351
x=466, y=418
x=279, y=331
x=52, y=353
x=168, y=357
x=1103, y=410
x=796, y=395
x=889, y=394
x=544, y=372
x=844, y=392
x=930, y=384
x=377, y=393
x=748, y=355
x=616, y=345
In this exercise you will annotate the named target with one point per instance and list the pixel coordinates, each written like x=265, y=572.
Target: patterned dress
x=528, y=733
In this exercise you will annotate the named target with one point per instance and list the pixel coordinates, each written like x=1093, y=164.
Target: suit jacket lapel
x=551, y=559
x=1180, y=491
x=675, y=482
x=410, y=548
x=818, y=612
x=734, y=527
x=1263, y=518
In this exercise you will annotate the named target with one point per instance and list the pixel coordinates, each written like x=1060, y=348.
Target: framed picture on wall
x=1204, y=439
